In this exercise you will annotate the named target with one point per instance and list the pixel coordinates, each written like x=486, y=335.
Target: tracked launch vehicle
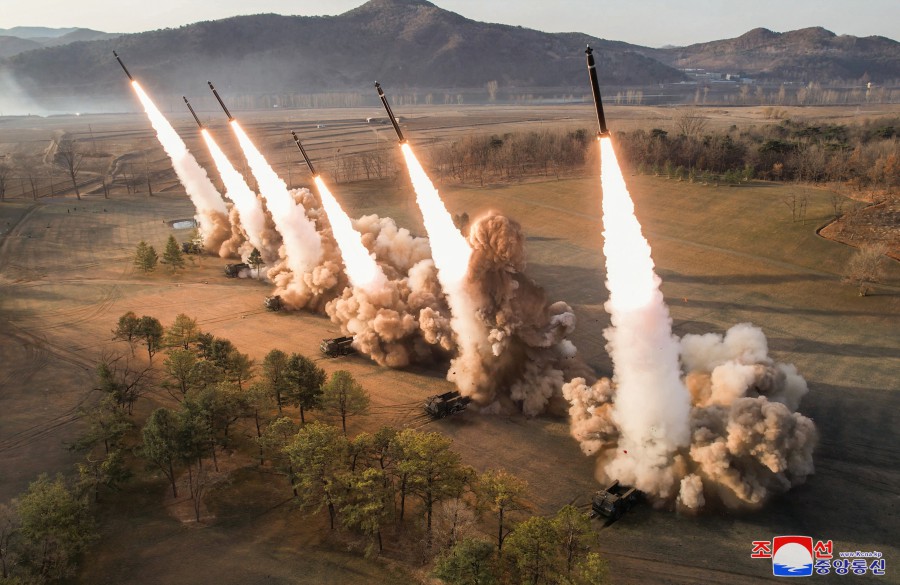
x=446, y=404
x=337, y=346
x=234, y=270
x=613, y=501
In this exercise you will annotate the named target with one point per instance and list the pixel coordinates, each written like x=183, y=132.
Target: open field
x=725, y=255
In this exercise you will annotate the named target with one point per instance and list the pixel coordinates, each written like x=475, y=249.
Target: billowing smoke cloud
x=747, y=442
x=305, y=272
x=528, y=356
x=725, y=427
x=211, y=212
x=246, y=205
x=406, y=320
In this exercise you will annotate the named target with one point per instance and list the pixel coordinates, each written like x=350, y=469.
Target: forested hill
x=413, y=44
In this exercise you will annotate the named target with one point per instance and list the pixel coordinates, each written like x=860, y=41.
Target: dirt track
x=65, y=277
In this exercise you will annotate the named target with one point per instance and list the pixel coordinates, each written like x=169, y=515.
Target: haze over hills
x=414, y=45
x=26, y=38
x=809, y=54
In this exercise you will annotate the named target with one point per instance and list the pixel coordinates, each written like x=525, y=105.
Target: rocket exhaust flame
x=248, y=206
x=652, y=407
x=303, y=245
x=359, y=264
x=727, y=430
x=451, y=253
x=211, y=212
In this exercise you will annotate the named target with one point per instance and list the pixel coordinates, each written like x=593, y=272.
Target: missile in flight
x=390, y=113
x=193, y=113
x=595, y=88
x=221, y=103
x=125, y=69
x=303, y=152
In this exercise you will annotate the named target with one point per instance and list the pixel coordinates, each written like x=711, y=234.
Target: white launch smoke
x=451, y=255
x=302, y=243
x=652, y=406
x=361, y=268
x=249, y=208
x=727, y=430
x=211, y=212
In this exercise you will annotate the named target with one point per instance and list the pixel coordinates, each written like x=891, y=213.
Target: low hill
x=809, y=54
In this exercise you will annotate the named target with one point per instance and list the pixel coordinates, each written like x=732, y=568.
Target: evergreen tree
x=56, y=527
x=150, y=331
x=343, y=396
x=306, y=380
x=469, y=562
x=255, y=260
x=145, y=257
x=183, y=332
x=172, y=255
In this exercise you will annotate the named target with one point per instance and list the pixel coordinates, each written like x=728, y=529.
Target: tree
x=150, y=331
x=367, y=504
x=255, y=260
x=172, y=255
x=5, y=171
x=238, y=368
x=575, y=535
x=123, y=382
x=145, y=257
x=343, y=396
x=108, y=470
x=430, y=470
x=69, y=156
x=865, y=267
x=106, y=424
x=258, y=401
x=126, y=329
x=690, y=123
x=275, y=375
x=9, y=527
x=180, y=364
x=592, y=570
x=277, y=436
x=533, y=547
x=56, y=528
x=221, y=405
x=161, y=443
x=502, y=492
x=306, y=380
x=469, y=562
x=183, y=332
x=318, y=454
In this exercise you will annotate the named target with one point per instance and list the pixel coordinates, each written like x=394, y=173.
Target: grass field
x=725, y=254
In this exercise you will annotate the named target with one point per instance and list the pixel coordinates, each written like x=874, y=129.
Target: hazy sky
x=645, y=22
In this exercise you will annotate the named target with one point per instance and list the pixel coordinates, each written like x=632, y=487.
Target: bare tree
x=865, y=267
x=690, y=123
x=69, y=156
x=5, y=172
x=492, y=90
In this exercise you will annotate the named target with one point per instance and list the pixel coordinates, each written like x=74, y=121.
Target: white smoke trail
x=302, y=243
x=727, y=431
x=652, y=407
x=211, y=212
x=362, y=271
x=451, y=253
x=249, y=208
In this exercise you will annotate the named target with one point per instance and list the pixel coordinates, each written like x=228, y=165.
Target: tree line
x=407, y=484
